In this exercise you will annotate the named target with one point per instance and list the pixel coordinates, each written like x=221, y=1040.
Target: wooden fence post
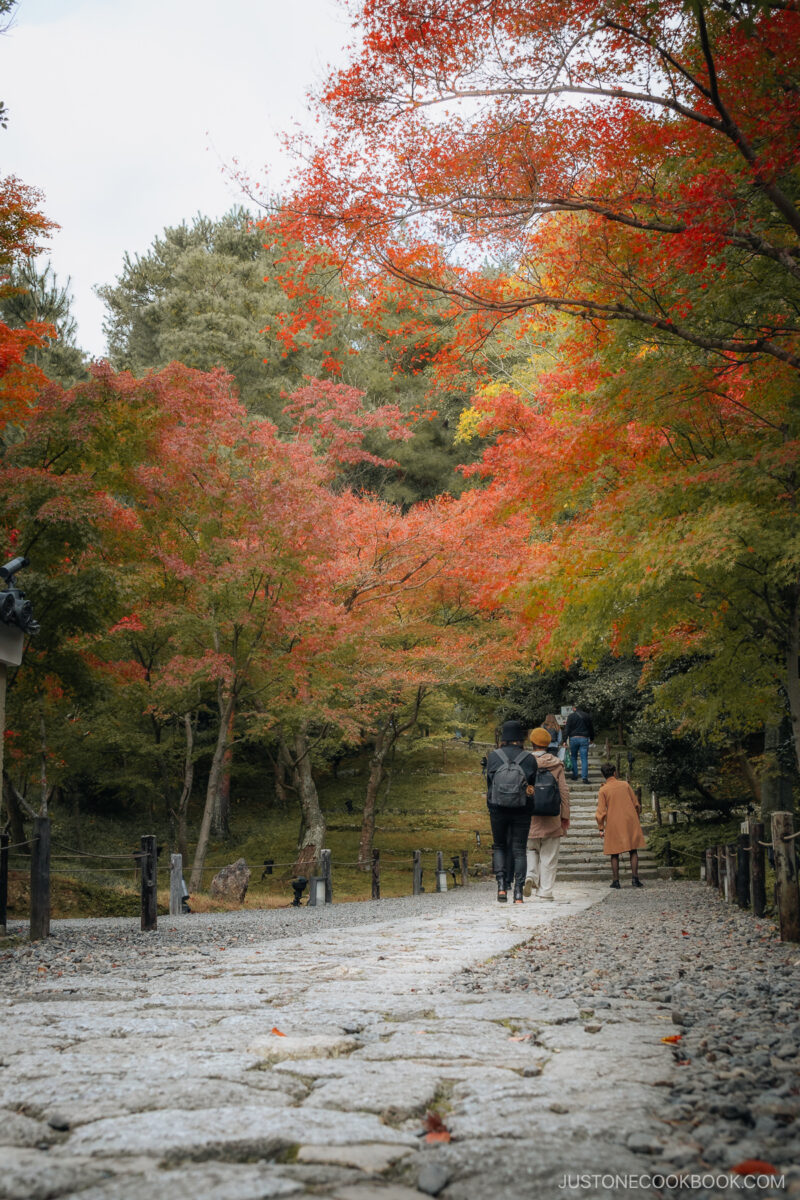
x=3, y=883
x=376, y=874
x=417, y=883
x=711, y=855
x=743, y=871
x=325, y=871
x=148, y=864
x=441, y=878
x=175, y=885
x=40, y=879
x=657, y=808
x=786, y=876
x=758, y=870
x=721, y=871
x=464, y=867
x=730, y=871
x=708, y=866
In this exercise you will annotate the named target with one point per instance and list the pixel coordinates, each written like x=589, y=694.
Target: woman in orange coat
x=617, y=819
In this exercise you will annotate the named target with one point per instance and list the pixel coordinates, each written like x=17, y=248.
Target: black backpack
x=546, y=796
x=509, y=783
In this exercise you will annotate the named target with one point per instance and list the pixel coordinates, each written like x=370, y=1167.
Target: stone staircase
x=581, y=856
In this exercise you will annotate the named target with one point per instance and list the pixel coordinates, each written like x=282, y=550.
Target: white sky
x=123, y=111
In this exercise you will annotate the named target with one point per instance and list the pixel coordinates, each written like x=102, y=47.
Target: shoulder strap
x=499, y=750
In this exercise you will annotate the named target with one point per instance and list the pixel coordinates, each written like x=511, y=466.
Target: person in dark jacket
x=510, y=822
x=579, y=732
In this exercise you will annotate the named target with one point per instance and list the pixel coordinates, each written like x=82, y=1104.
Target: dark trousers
x=509, y=840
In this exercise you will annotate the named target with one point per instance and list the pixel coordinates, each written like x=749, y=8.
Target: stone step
x=604, y=868
x=594, y=849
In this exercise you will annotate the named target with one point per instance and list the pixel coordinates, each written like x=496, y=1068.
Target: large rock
x=231, y=882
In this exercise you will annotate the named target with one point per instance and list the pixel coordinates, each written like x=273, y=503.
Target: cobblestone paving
x=153, y=1064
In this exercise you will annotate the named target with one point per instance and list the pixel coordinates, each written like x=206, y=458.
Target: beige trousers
x=542, y=863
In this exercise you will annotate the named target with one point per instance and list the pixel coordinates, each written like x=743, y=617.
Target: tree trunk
x=385, y=740
x=377, y=770
x=212, y=792
x=771, y=774
x=43, y=764
x=283, y=769
x=221, y=816
x=793, y=672
x=76, y=817
x=186, y=790
x=749, y=775
x=16, y=820
x=314, y=827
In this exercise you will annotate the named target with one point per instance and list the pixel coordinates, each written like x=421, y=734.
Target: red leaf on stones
x=753, y=1166
x=675, y=1037
x=437, y=1130
x=277, y=1031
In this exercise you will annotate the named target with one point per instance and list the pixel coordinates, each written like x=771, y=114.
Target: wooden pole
x=40, y=879
x=758, y=869
x=786, y=876
x=730, y=865
x=175, y=885
x=376, y=874
x=743, y=871
x=440, y=872
x=3, y=681
x=148, y=865
x=3, y=883
x=713, y=878
x=721, y=871
x=464, y=867
x=417, y=877
x=708, y=866
x=325, y=871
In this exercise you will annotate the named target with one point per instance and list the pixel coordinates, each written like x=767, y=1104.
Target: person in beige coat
x=617, y=819
x=545, y=834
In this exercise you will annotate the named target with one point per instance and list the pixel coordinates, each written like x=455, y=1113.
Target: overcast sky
x=123, y=114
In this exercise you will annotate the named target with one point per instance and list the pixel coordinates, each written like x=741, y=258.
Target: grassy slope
x=435, y=802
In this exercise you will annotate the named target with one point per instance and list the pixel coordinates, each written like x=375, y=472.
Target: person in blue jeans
x=579, y=732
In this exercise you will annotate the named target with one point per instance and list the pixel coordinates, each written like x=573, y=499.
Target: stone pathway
x=297, y=1052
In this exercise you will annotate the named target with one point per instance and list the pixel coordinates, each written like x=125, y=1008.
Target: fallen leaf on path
x=753, y=1166
x=437, y=1130
x=670, y=1041
x=522, y=1037
x=277, y=1031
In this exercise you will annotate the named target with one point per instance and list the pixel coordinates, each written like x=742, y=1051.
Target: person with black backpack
x=550, y=819
x=510, y=779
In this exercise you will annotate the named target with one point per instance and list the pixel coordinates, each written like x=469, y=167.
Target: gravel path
x=730, y=990
x=295, y=1052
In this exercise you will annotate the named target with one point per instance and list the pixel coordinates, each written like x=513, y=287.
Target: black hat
x=513, y=731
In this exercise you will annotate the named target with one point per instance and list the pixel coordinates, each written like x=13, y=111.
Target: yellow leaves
x=468, y=425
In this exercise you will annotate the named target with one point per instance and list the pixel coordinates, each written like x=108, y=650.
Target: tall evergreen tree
x=35, y=294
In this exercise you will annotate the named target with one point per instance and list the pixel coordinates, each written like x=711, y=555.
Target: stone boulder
x=231, y=882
